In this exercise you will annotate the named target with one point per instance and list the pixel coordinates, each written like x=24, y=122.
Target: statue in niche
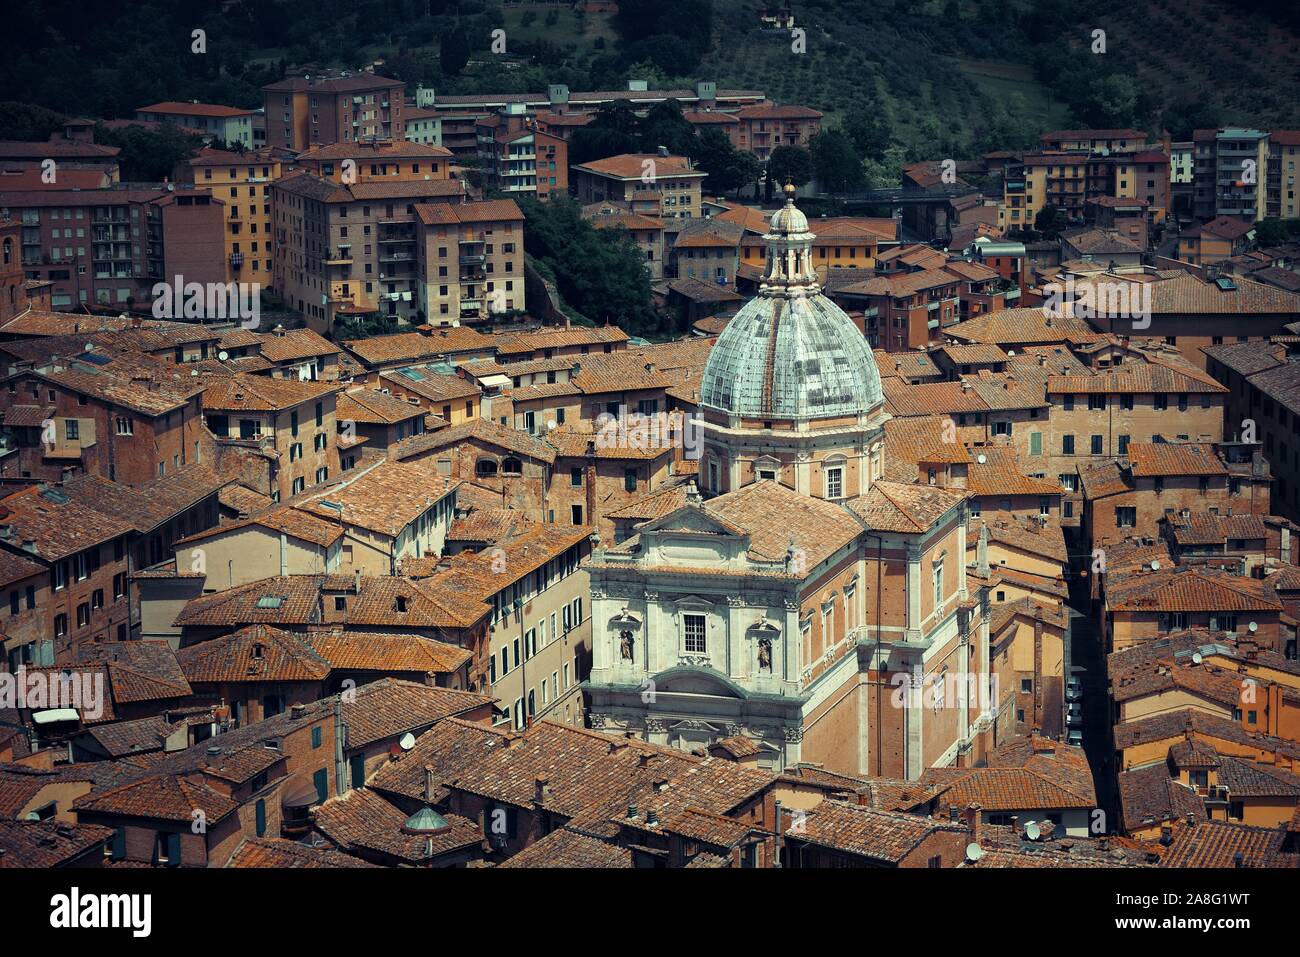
x=765, y=654
x=625, y=645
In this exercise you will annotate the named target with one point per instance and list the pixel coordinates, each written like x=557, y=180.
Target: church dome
x=791, y=353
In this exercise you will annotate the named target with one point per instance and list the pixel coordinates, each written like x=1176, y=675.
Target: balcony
x=472, y=260
x=342, y=258
x=236, y=260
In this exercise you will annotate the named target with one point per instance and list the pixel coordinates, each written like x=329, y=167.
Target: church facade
x=798, y=603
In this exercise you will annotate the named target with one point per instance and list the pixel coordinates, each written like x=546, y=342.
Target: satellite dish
x=1196, y=658
x=974, y=852
x=90, y=347
x=1252, y=627
x=1032, y=830
x=1011, y=352
x=981, y=458
x=32, y=816
x=1049, y=828
x=407, y=741
x=223, y=355
x=1155, y=565
x=551, y=425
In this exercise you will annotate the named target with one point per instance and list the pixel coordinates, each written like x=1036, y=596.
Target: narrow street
x=1085, y=659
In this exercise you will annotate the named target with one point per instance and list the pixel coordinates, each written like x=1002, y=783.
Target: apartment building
x=540, y=622
x=766, y=126
x=111, y=246
x=120, y=415
x=617, y=178
x=1096, y=417
x=470, y=260
x=839, y=242
x=901, y=310
x=1056, y=179
x=243, y=182
x=1230, y=173
x=1208, y=244
x=390, y=513
x=307, y=111
x=423, y=126
x=1167, y=479
x=518, y=156
x=220, y=125
x=1263, y=383
x=1187, y=311
x=345, y=228
x=288, y=421
x=1280, y=179
x=1095, y=141
x=87, y=536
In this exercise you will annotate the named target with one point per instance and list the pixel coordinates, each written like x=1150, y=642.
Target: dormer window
x=258, y=652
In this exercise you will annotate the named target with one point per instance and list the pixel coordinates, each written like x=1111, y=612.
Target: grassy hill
x=953, y=77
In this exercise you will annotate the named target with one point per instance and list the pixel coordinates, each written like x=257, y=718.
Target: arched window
x=512, y=466
x=484, y=467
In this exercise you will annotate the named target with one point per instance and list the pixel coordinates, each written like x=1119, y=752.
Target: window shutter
x=173, y=850
x=118, y=850
x=260, y=810
x=321, y=780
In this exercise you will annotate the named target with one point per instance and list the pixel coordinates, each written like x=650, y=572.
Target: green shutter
x=260, y=810
x=321, y=780
x=173, y=850
x=119, y=844
x=1035, y=443
x=358, y=763
x=315, y=737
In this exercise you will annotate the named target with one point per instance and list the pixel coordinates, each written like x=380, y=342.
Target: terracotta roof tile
x=258, y=653
x=910, y=509
x=44, y=844
x=886, y=836
x=571, y=848
x=361, y=821
x=480, y=430
x=385, y=499
x=275, y=852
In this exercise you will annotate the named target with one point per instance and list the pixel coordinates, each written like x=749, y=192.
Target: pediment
x=690, y=520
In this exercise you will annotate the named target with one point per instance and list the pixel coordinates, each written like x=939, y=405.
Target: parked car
x=1073, y=689
x=1075, y=738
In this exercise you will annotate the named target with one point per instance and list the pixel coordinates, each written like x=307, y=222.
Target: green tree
x=1275, y=232
x=836, y=162
x=453, y=51
x=1049, y=222
x=793, y=163
x=23, y=121
x=870, y=132
x=729, y=168
x=665, y=126
x=600, y=273
x=150, y=156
